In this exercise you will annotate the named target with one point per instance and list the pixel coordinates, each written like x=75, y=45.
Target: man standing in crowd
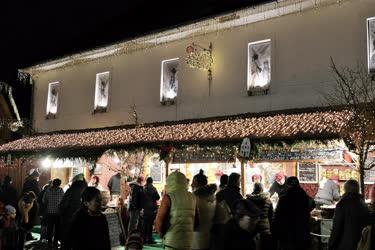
x=52, y=198
x=279, y=186
x=231, y=192
x=351, y=216
x=135, y=203
x=151, y=196
x=328, y=192
x=291, y=224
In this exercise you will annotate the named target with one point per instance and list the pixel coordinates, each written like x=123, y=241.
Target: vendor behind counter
x=328, y=192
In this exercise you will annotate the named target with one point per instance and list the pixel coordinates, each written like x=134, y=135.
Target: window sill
x=50, y=116
x=100, y=110
x=168, y=102
x=257, y=91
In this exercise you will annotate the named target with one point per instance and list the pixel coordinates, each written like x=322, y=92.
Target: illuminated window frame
x=368, y=20
x=163, y=99
x=51, y=110
x=98, y=106
x=261, y=90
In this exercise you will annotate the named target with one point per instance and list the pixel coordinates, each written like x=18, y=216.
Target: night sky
x=36, y=31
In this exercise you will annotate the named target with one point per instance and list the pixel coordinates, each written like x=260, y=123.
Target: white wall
x=302, y=44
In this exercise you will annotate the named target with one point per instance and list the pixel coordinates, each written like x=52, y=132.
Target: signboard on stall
x=307, y=172
x=156, y=172
x=115, y=226
x=370, y=174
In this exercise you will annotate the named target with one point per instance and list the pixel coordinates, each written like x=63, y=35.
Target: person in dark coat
x=9, y=195
x=89, y=227
x=135, y=203
x=262, y=201
x=350, y=217
x=239, y=232
x=28, y=208
x=32, y=183
x=291, y=224
x=70, y=203
x=223, y=181
x=231, y=193
x=151, y=196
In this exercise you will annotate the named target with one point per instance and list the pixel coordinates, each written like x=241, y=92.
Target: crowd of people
x=208, y=218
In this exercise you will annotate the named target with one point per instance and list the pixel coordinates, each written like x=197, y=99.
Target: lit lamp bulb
x=46, y=163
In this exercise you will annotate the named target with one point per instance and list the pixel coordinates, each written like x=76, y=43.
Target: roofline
x=236, y=18
x=207, y=119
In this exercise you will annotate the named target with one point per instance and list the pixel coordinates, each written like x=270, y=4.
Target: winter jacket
x=151, y=196
x=31, y=184
x=89, y=232
x=230, y=195
x=71, y=200
x=52, y=198
x=351, y=216
x=179, y=234
x=136, y=197
x=9, y=195
x=263, y=202
x=328, y=194
x=114, y=184
x=277, y=188
x=291, y=224
x=235, y=238
x=206, y=203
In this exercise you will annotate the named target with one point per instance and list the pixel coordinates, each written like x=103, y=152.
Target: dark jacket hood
x=206, y=191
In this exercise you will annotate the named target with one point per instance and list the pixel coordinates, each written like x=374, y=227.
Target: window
x=371, y=44
x=101, y=92
x=259, y=67
x=52, y=99
x=168, y=81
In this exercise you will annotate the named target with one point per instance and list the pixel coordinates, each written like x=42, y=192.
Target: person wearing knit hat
x=279, y=185
x=11, y=211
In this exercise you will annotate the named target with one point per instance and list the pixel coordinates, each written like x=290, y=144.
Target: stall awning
x=287, y=125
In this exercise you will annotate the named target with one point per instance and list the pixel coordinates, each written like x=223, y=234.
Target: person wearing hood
x=206, y=204
x=150, y=208
x=291, y=223
x=262, y=201
x=136, y=201
x=70, y=204
x=350, y=217
x=177, y=217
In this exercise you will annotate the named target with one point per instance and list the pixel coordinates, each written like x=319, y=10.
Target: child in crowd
x=9, y=239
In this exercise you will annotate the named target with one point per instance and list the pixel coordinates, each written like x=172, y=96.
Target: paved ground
x=38, y=245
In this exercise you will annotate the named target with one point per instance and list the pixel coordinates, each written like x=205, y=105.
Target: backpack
x=365, y=241
x=135, y=240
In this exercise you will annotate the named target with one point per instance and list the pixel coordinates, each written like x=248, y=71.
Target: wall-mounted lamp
x=200, y=58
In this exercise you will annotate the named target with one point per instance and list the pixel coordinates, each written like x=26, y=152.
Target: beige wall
x=301, y=46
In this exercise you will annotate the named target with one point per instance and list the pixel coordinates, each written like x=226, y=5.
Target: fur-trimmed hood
x=206, y=191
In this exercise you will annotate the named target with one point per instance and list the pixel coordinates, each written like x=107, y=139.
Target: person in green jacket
x=177, y=217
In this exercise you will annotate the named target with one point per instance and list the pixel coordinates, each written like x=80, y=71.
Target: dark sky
x=38, y=30
x=33, y=31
